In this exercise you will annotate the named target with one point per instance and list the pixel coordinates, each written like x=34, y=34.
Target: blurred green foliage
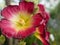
x=55, y=12
x=2, y=39
x=32, y=39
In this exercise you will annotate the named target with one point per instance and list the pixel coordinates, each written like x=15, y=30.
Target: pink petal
x=47, y=36
x=42, y=29
x=41, y=8
x=43, y=12
x=47, y=16
x=44, y=41
x=8, y=32
x=10, y=11
x=0, y=28
x=24, y=33
x=26, y=6
x=5, y=23
x=42, y=38
x=0, y=24
x=37, y=19
x=6, y=28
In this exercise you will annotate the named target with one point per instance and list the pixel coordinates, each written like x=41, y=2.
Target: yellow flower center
x=21, y=21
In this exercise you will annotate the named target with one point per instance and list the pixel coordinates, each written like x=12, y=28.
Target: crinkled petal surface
x=42, y=37
x=41, y=29
x=8, y=32
x=18, y=20
x=44, y=14
x=26, y=6
x=37, y=19
x=41, y=8
x=23, y=34
x=47, y=36
x=9, y=11
x=5, y=23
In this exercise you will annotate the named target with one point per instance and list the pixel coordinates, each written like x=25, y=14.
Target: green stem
x=16, y=42
x=7, y=2
x=19, y=42
x=22, y=42
x=10, y=41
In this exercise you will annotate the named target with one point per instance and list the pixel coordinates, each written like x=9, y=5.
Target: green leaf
x=22, y=42
x=39, y=42
x=35, y=1
x=2, y=39
x=32, y=39
x=29, y=40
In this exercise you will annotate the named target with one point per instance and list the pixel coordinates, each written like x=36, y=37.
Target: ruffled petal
x=26, y=6
x=42, y=30
x=8, y=32
x=5, y=23
x=44, y=41
x=6, y=28
x=41, y=8
x=20, y=26
x=0, y=24
x=37, y=19
x=10, y=11
x=43, y=12
x=0, y=28
x=47, y=36
x=47, y=16
x=41, y=37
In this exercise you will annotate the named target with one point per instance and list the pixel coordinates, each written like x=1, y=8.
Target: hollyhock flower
x=43, y=12
x=18, y=20
x=41, y=31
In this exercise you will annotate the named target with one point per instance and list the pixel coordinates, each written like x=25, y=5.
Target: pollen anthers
x=21, y=21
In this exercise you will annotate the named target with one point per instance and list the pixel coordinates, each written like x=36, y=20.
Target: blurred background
x=53, y=7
